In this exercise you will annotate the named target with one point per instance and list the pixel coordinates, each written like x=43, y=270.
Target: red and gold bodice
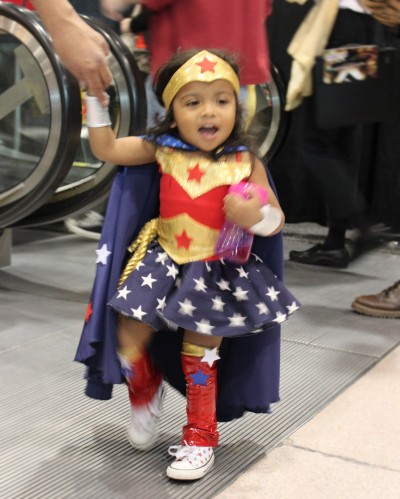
x=192, y=190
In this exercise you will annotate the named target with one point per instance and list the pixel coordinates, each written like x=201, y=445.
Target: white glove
x=271, y=219
x=96, y=115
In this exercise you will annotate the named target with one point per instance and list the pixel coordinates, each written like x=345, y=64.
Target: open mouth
x=208, y=132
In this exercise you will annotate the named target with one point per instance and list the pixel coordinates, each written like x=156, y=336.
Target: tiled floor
x=335, y=433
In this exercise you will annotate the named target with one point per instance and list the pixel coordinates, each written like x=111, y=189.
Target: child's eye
x=191, y=103
x=223, y=101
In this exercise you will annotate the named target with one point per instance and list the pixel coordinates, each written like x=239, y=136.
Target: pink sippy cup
x=234, y=243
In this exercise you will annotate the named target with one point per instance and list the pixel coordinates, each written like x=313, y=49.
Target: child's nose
x=208, y=109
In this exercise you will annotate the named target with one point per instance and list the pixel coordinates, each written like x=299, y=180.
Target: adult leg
x=195, y=456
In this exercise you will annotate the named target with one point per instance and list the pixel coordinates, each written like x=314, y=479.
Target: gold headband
x=204, y=67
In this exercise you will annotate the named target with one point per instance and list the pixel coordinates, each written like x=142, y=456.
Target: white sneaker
x=191, y=462
x=143, y=430
x=88, y=225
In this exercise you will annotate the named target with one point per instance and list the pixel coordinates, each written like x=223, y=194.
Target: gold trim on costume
x=204, y=67
x=139, y=247
x=192, y=349
x=197, y=174
x=197, y=240
x=131, y=354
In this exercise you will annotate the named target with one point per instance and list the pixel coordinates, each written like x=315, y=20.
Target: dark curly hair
x=163, y=76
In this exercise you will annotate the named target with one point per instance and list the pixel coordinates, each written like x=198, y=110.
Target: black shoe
x=315, y=255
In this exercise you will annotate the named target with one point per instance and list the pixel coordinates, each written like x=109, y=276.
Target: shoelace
x=391, y=288
x=181, y=452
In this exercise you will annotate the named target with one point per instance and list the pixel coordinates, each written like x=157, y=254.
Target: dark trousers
x=334, y=157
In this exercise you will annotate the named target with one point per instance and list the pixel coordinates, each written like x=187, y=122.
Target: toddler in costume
x=179, y=311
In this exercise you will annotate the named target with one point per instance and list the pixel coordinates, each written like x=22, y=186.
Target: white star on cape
x=262, y=308
x=123, y=293
x=200, y=285
x=148, y=281
x=223, y=285
x=280, y=318
x=162, y=257
x=172, y=271
x=258, y=259
x=161, y=304
x=273, y=293
x=186, y=307
x=210, y=356
x=138, y=312
x=218, y=304
x=292, y=308
x=102, y=254
x=237, y=320
x=240, y=294
x=204, y=326
x=242, y=272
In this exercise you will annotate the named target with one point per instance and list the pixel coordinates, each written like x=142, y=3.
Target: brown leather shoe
x=384, y=304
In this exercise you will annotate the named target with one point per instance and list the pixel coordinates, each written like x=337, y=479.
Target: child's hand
x=241, y=211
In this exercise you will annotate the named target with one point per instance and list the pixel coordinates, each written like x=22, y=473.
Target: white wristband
x=271, y=219
x=96, y=115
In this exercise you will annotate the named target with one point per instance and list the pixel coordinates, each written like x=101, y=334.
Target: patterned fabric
x=214, y=298
x=249, y=368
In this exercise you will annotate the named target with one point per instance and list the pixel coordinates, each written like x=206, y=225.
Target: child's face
x=205, y=113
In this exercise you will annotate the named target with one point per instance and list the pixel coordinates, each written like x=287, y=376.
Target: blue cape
x=248, y=372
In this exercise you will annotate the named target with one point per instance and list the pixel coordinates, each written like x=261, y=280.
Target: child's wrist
x=270, y=221
x=96, y=115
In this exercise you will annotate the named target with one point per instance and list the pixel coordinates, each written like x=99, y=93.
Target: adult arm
x=82, y=50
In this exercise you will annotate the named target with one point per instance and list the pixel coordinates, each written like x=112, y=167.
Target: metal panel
x=56, y=443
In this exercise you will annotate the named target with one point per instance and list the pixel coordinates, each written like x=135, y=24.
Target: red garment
x=23, y=3
x=237, y=26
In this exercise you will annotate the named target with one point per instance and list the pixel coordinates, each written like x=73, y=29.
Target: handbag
x=354, y=84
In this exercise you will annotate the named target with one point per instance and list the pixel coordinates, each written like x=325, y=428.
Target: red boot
x=146, y=394
x=195, y=456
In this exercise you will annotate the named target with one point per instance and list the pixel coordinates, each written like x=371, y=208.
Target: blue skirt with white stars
x=216, y=297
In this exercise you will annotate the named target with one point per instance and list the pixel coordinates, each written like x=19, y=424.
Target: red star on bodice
x=89, y=312
x=183, y=240
x=195, y=174
x=206, y=65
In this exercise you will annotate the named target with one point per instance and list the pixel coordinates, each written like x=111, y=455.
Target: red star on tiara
x=206, y=65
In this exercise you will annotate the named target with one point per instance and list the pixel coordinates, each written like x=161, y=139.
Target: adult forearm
x=54, y=13
x=82, y=50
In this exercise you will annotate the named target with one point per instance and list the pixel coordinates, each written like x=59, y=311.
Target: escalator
x=47, y=171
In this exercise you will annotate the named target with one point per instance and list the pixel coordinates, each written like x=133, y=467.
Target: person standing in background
x=333, y=158
x=386, y=303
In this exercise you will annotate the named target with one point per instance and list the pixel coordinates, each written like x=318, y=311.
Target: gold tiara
x=204, y=67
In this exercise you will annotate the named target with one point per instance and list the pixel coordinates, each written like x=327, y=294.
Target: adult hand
x=113, y=8
x=88, y=59
x=387, y=12
x=82, y=50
